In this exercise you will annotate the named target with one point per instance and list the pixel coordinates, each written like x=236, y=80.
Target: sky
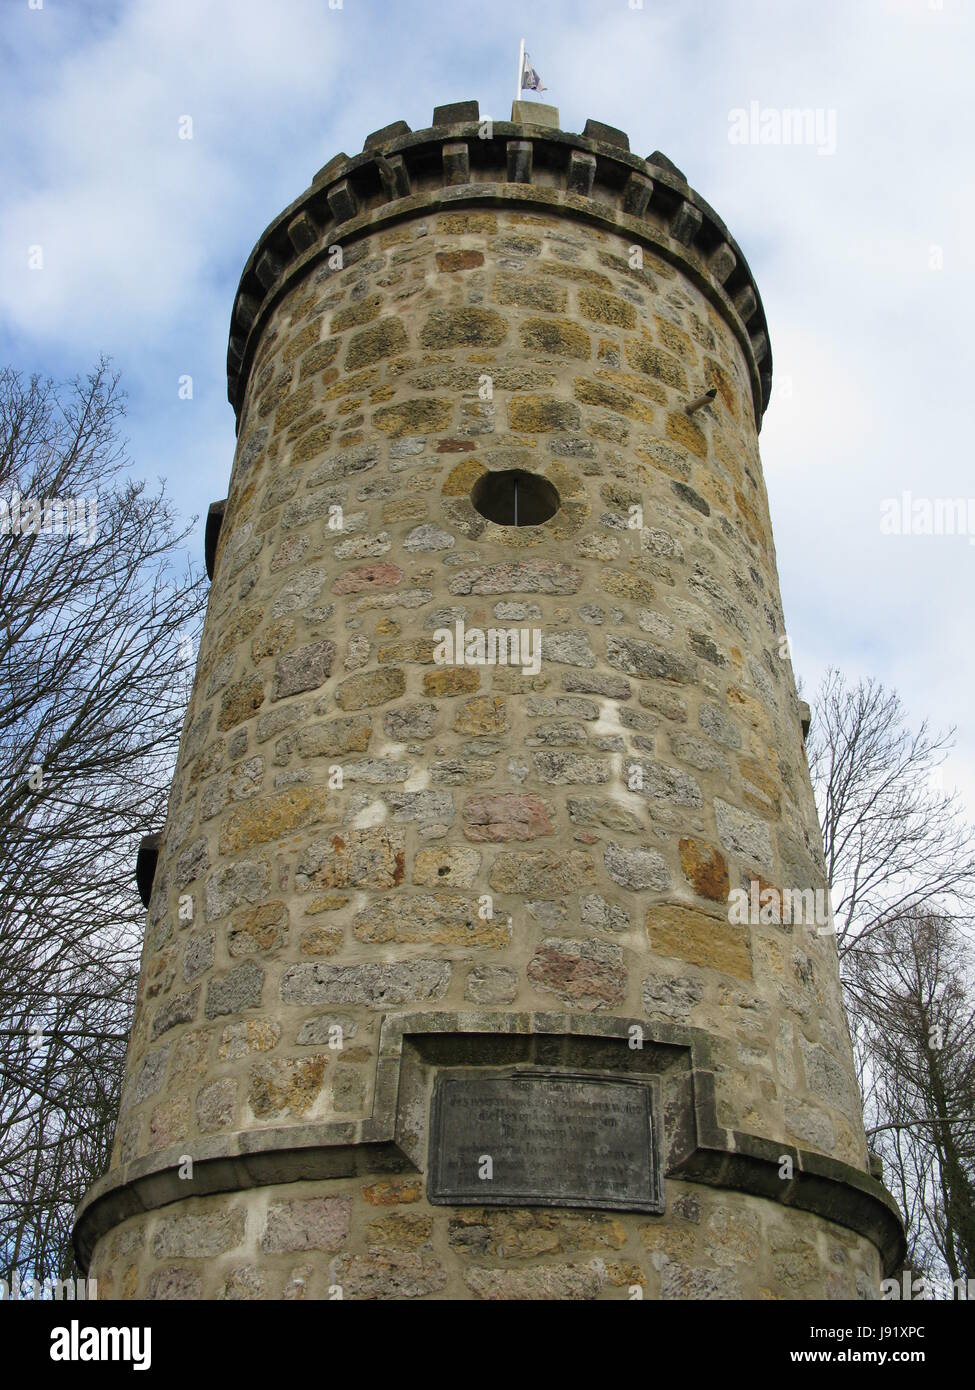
x=859, y=239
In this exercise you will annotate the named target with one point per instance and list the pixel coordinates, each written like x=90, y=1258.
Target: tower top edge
x=465, y=158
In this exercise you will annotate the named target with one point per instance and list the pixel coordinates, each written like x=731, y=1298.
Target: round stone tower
x=472, y=963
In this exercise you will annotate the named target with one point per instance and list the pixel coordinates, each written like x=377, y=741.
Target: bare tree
x=900, y=863
x=896, y=843
x=920, y=1013
x=99, y=615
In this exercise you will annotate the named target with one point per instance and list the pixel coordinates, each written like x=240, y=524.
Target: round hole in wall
x=513, y=497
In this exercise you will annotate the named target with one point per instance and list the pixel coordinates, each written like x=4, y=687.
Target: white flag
x=530, y=80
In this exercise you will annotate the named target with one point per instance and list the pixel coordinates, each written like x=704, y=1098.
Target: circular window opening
x=515, y=498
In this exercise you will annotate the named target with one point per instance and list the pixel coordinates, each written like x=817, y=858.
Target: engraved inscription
x=534, y=1138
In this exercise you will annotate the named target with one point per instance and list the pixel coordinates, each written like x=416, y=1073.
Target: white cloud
x=144, y=237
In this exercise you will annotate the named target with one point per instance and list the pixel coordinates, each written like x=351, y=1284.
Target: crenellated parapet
x=464, y=160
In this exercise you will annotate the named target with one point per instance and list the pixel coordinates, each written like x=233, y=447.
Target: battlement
x=463, y=160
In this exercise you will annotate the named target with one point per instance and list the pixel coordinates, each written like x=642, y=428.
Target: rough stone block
x=519, y=161
x=710, y=942
x=236, y=991
x=542, y=874
x=494, y=817
x=535, y=113
x=456, y=162
x=581, y=172
x=379, y=139
x=371, y=688
x=743, y=835
x=375, y=984
x=588, y=974
x=456, y=112
x=636, y=868
x=305, y=669
x=686, y=223
x=607, y=134
x=311, y=1223
x=637, y=195
x=342, y=200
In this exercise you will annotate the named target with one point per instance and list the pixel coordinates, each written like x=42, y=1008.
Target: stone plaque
x=553, y=1139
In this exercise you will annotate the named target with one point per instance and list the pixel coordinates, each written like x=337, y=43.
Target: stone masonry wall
x=381, y=1240
x=285, y=904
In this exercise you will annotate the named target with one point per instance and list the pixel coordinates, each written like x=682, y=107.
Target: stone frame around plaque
x=444, y=1190
x=393, y=1136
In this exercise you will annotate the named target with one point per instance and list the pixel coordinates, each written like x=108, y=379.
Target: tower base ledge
x=395, y=1138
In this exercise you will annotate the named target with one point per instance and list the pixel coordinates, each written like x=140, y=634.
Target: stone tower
x=446, y=989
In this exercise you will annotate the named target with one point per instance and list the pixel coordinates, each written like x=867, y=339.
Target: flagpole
x=521, y=69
